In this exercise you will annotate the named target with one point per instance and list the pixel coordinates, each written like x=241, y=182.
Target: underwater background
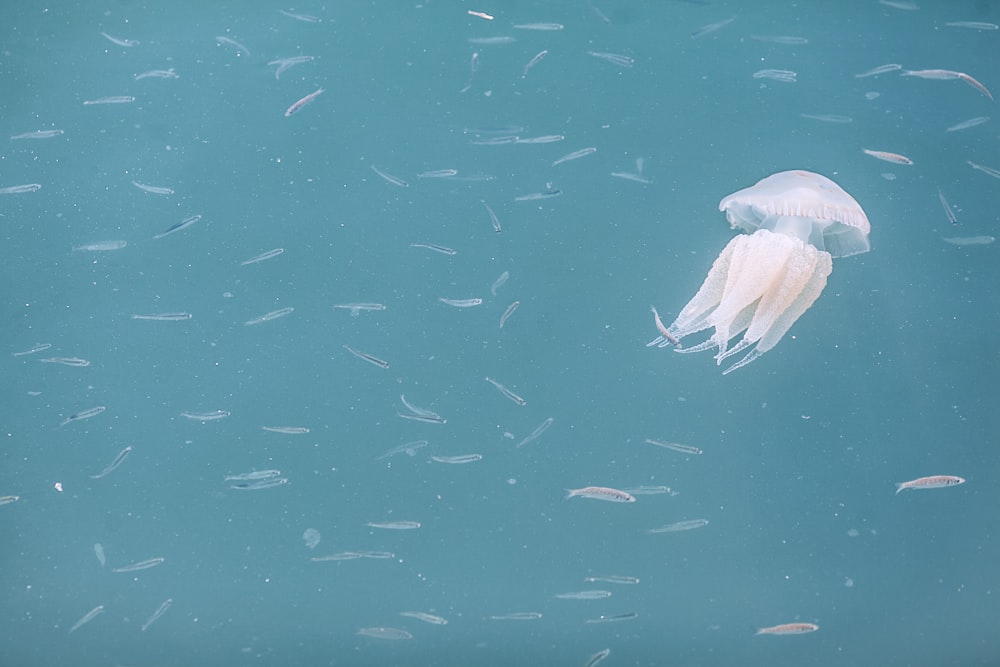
x=890, y=376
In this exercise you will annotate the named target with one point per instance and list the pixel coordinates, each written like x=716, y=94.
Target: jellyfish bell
x=796, y=222
x=803, y=204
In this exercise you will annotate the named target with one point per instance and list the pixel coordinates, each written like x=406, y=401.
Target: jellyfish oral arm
x=759, y=286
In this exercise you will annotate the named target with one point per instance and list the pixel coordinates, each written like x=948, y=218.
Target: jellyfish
x=796, y=222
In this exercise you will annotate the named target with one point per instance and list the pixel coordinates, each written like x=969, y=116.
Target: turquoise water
x=891, y=375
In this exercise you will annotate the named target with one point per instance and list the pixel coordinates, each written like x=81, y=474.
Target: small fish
x=782, y=75
x=499, y=282
x=102, y=246
x=284, y=63
x=828, y=118
x=575, y=155
x=948, y=75
x=86, y=414
x=711, y=27
x=425, y=617
x=39, y=347
x=461, y=303
x=950, y=214
x=438, y=173
x=583, y=595
x=417, y=410
x=38, y=134
x=881, y=69
x=458, y=460
x=390, y=178
x=677, y=447
x=297, y=106
x=966, y=124
x=933, y=482
x=153, y=189
x=538, y=26
x=156, y=614
x=628, y=616
x=163, y=317
x=496, y=225
x=517, y=616
x=141, y=565
x=394, y=525
x=601, y=493
x=287, y=430
x=973, y=25
x=651, y=490
x=507, y=392
x=183, y=224
x=120, y=41
x=629, y=176
x=267, y=317
x=254, y=476
x=157, y=74
x=206, y=416
x=261, y=484
x=542, y=428
x=667, y=336
x=679, y=526
x=544, y=139
x=232, y=42
x=989, y=171
x=436, y=248
x=87, y=618
x=427, y=419
x=534, y=61
x=381, y=363
x=894, y=158
x=614, y=579
x=410, y=448
x=263, y=256
x=20, y=189
x=305, y=18
x=114, y=464
x=391, y=634
x=969, y=240
x=114, y=99
x=66, y=361
x=598, y=657
x=510, y=311
x=356, y=308
x=788, y=629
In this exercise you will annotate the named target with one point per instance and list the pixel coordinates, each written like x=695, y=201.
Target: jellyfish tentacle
x=752, y=356
x=758, y=262
x=810, y=292
x=794, y=277
x=727, y=331
x=734, y=350
x=700, y=347
x=693, y=316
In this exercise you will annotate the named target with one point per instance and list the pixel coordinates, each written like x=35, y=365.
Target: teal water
x=891, y=375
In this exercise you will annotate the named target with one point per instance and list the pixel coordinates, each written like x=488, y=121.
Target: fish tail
x=569, y=494
x=899, y=487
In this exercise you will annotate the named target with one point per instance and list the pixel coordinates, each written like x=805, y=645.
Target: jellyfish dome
x=796, y=222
